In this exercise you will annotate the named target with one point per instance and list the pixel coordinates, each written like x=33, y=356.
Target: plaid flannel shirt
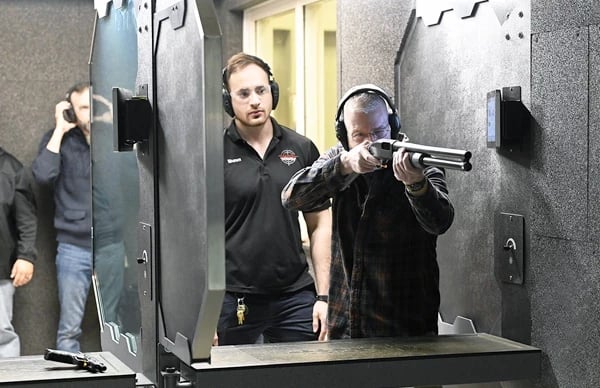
x=384, y=278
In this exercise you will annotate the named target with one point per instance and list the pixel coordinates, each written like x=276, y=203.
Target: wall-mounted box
x=507, y=118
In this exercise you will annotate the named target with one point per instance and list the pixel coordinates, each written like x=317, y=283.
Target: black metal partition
x=187, y=56
x=165, y=200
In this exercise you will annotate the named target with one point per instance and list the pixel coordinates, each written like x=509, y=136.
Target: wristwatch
x=322, y=298
x=418, y=186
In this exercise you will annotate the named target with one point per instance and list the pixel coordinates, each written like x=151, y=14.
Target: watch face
x=417, y=186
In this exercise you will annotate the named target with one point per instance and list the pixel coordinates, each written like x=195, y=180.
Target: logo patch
x=288, y=157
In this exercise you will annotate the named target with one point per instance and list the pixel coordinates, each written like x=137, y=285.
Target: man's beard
x=85, y=127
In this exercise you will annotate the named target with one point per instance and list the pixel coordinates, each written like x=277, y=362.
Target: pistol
x=81, y=360
x=422, y=155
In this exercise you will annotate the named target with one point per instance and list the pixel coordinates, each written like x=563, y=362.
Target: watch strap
x=418, y=186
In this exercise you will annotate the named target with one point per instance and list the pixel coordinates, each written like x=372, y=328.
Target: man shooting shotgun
x=422, y=155
x=384, y=274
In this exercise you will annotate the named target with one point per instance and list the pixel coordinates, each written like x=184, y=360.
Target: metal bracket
x=431, y=11
x=145, y=259
x=176, y=15
x=132, y=118
x=101, y=6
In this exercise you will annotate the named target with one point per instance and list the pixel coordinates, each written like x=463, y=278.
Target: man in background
x=63, y=161
x=18, y=228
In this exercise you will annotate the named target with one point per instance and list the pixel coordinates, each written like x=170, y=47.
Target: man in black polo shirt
x=269, y=289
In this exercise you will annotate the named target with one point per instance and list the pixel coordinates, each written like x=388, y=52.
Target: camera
x=69, y=115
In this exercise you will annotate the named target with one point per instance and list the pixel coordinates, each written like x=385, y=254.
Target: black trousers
x=274, y=318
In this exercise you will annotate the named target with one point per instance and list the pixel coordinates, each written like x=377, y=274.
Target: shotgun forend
x=422, y=155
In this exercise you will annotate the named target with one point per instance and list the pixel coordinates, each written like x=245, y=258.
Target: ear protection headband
x=78, y=87
x=272, y=84
x=70, y=92
x=393, y=117
x=69, y=114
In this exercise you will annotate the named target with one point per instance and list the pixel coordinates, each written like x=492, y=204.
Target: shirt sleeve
x=46, y=166
x=433, y=210
x=25, y=216
x=316, y=183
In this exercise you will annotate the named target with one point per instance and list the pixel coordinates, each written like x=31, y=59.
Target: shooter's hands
x=404, y=170
x=359, y=160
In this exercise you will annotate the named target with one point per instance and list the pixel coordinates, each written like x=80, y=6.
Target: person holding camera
x=63, y=161
x=384, y=277
x=18, y=229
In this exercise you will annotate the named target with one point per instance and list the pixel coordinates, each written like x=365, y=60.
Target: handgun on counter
x=422, y=155
x=81, y=360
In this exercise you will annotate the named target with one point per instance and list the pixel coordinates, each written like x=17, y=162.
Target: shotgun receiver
x=422, y=155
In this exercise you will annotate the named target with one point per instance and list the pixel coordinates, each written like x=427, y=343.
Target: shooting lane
x=179, y=241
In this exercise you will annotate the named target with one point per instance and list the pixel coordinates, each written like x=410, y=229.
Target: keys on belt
x=242, y=310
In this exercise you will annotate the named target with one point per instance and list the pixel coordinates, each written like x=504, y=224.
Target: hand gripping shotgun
x=422, y=155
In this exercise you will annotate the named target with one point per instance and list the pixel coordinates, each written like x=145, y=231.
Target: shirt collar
x=233, y=133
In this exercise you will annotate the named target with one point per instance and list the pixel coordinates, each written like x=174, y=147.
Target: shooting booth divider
x=113, y=62
x=177, y=230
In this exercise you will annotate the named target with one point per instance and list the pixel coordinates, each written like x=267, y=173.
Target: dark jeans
x=278, y=318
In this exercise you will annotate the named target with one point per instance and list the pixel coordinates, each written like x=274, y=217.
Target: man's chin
x=84, y=127
x=256, y=122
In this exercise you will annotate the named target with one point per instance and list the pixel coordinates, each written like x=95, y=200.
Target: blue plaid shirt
x=384, y=278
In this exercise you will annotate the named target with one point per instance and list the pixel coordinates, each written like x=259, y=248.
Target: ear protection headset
x=272, y=84
x=393, y=117
x=69, y=114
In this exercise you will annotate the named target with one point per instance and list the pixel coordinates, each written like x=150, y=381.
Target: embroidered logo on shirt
x=288, y=157
x=236, y=160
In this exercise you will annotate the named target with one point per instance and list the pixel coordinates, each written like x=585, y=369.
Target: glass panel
x=275, y=43
x=320, y=71
x=115, y=179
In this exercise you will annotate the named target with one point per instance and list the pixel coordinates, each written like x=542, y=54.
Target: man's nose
x=255, y=98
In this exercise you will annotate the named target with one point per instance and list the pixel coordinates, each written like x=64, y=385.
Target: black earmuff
x=226, y=96
x=272, y=84
x=69, y=114
x=393, y=117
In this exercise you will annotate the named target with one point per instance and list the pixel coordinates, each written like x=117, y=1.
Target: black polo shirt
x=263, y=245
